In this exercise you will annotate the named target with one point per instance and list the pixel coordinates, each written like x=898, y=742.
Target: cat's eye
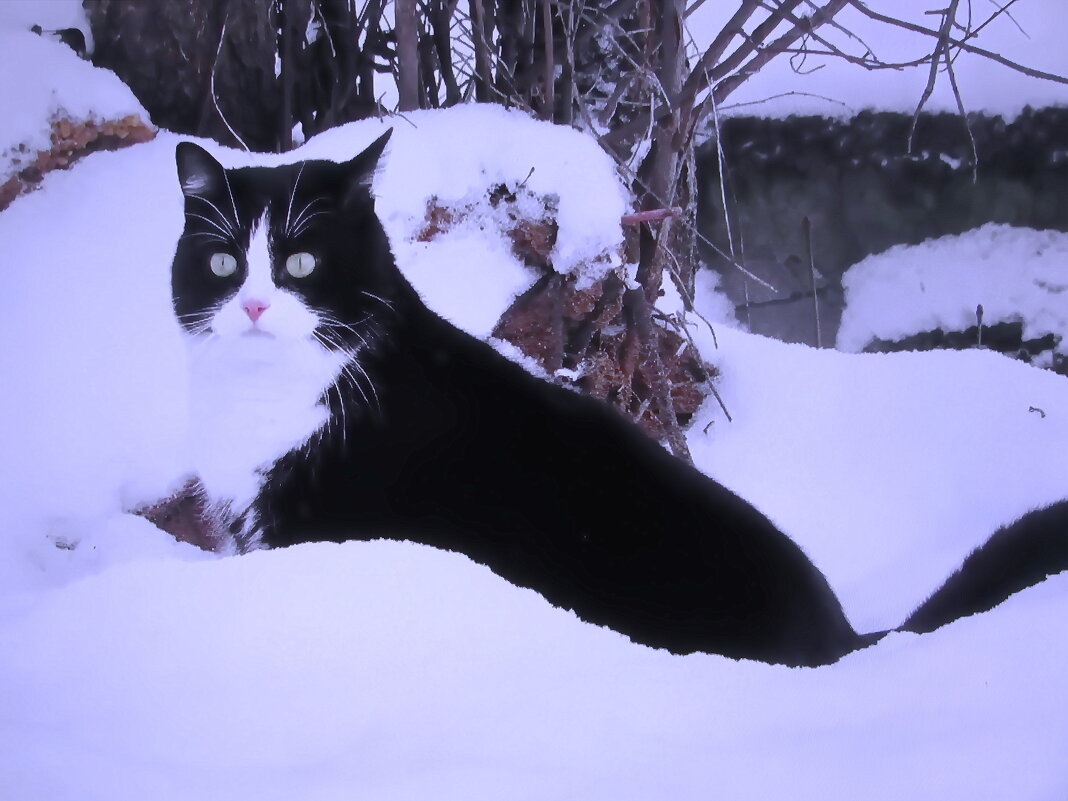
x=223, y=264
x=300, y=265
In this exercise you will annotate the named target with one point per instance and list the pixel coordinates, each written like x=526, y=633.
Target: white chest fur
x=253, y=399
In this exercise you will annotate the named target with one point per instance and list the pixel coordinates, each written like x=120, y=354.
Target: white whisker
x=370, y=384
x=292, y=194
x=330, y=341
x=333, y=323
x=207, y=235
x=303, y=225
x=199, y=322
x=227, y=236
x=228, y=223
x=233, y=203
x=300, y=223
x=383, y=301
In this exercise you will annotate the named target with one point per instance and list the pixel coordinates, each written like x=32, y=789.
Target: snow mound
x=458, y=156
x=51, y=83
x=1016, y=274
x=887, y=468
x=385, y=670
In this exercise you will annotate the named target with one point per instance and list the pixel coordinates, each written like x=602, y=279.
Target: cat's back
x=554, y=491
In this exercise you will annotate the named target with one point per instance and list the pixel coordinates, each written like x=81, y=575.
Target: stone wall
x=862, y=192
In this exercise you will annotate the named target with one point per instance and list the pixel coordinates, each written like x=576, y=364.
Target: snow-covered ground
x=135, y=667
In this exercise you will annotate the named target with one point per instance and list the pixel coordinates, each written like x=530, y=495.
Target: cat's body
x=472, y=454
x=336, y=406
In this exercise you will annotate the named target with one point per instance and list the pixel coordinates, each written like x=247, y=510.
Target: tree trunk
x=407, y=30
x=190, y=78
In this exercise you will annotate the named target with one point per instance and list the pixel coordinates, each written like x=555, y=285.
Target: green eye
x=300, y=265
x=223, y=264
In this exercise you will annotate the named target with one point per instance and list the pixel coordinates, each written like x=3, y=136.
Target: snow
x=49, y=82
x=870, y=460
x=457, y=158
x=1030, y=35
x=1016, y=274
x=136, y=667
x=430, y=678
x=51, y=16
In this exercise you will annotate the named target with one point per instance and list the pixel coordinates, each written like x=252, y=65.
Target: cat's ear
x=198, y=172
x=361, y=169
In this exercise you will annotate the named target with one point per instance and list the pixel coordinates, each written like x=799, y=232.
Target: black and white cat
x=338, y=407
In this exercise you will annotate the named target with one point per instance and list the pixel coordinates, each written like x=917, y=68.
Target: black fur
x=553, y=492
x=440, y=440
x=1015, y=557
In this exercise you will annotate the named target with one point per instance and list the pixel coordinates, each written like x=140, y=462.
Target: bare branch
x=1000, y=10
x=941, y=52
x=211, y=86
x=701, y=77
x=650, y=215
x=700, y=81
x=964, y=117
x=711, y=57
x=766, y=54
x=480, y=35
x=958, y=43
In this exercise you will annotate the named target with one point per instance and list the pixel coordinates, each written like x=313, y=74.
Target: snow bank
x=458, y=155
x=94, y=397
x=49, y=83
x=390, y=671
x=1016, y=274
x=888, y=469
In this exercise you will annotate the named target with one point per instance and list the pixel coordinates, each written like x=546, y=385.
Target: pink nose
x=255, y=308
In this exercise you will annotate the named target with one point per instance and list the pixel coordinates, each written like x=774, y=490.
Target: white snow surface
x=1032, y=35
x=43, y=80
x=390, y=671
x=135, y=667
x=1016, y=274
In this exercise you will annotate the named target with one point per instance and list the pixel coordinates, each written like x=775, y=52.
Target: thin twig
x=211, y=84
x=650, y=215
x=958, y=43
x=941, y=50
x=964, y=118
x=806, y=225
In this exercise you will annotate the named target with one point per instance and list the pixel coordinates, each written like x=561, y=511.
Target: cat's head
x=290, y=253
